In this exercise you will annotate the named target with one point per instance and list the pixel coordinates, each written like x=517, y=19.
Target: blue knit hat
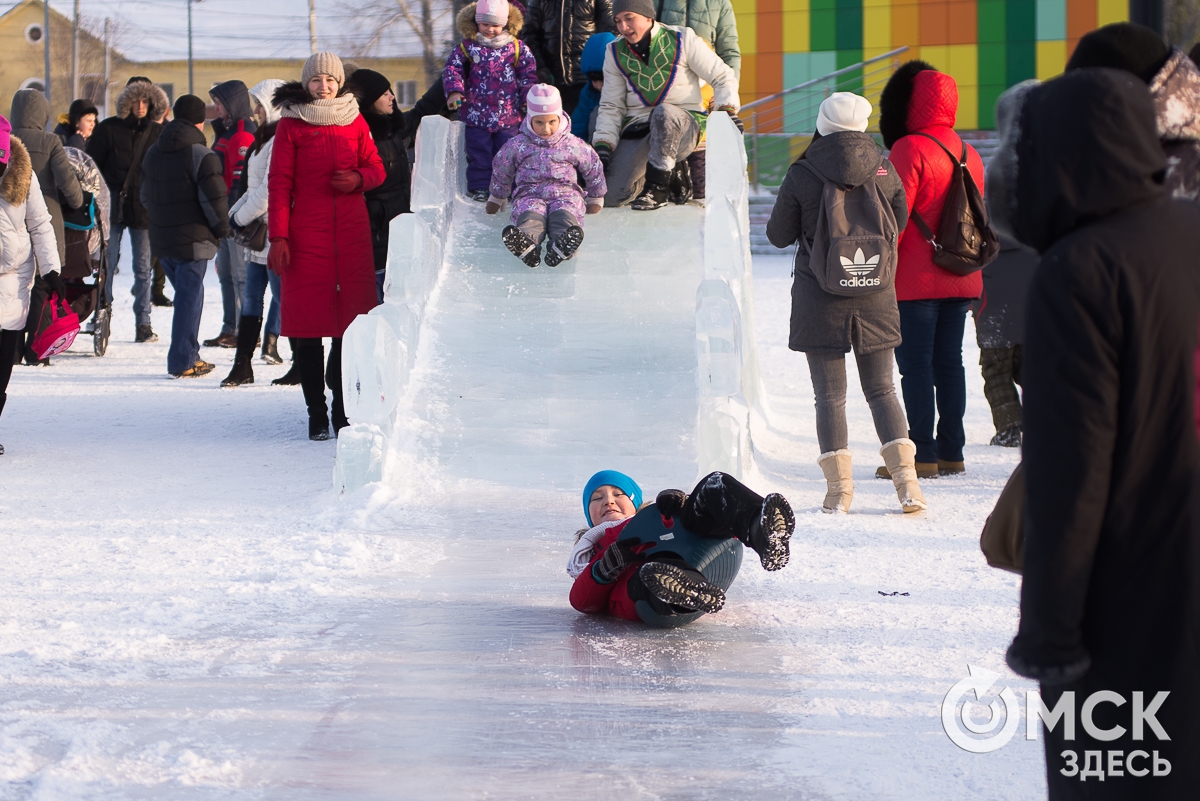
x=613, y=478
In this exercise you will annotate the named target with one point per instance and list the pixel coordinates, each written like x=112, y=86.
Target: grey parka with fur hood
x=822, y=322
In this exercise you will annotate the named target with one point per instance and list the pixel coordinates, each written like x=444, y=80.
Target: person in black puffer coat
x=393, y=131
x=556, y=35
x=1110, y=599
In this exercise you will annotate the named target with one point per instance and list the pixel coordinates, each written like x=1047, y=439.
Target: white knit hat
x=543, y=99
x=492, y=12
x=323, y=64
x=843, y=111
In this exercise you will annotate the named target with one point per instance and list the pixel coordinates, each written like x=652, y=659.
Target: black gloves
x=670, y=502
x=732, y=112
x=616, y=557
x=605, y=154
x=55, y=282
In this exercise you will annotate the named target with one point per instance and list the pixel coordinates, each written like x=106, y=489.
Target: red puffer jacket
x=330, y=279
x=925, y=170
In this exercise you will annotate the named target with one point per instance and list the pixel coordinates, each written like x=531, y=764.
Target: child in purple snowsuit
x=488, y=74
x=540, y=167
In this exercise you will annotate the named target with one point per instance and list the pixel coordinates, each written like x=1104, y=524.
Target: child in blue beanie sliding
x=638, y=563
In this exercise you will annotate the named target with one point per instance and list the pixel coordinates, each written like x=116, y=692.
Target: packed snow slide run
x=636, y=355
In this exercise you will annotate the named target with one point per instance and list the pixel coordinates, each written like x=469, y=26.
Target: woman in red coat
x=917, y=111
x=322, y=162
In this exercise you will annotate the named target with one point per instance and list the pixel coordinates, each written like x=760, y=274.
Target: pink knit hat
x=492, y=12
x=5, y=128
x=543, y=99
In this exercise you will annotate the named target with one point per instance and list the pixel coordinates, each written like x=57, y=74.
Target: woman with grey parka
x=824, y=326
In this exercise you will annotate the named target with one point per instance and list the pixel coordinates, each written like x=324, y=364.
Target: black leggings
x=10, y=349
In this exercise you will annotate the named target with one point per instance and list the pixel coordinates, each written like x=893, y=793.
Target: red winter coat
x=594, y=598
x=330, y=279
x=925, y=170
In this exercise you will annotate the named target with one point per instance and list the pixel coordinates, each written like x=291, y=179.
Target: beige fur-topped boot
x=900, y=456
x=836, y=467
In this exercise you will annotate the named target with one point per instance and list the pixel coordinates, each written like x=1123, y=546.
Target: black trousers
x=11, y=343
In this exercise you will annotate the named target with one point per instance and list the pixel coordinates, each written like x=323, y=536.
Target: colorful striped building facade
x=987, y=45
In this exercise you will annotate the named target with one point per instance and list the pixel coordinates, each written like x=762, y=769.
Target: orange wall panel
x=935, y=23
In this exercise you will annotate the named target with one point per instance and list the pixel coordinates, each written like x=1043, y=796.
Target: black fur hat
x=1123, y=46
x=894, y=100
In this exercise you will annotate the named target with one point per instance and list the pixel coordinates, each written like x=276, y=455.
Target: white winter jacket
x=620, y=105
x=26, y=237
x=253, y=204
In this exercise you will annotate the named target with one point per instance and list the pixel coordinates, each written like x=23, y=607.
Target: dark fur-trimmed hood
x=158, y=104
x=293, y=93
x=465, y=21
x=894, y=101
x=15, y=183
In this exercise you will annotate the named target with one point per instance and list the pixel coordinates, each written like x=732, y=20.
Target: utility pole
x=46, y=40
x=312, y=25
x=107, y=62
x=75, y=54
x=191, y=62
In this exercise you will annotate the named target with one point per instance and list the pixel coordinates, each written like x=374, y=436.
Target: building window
x=34, y=33
x=406, y=93
x=34, y=83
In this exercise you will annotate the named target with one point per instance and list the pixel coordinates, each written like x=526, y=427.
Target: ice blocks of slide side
x=361, y=449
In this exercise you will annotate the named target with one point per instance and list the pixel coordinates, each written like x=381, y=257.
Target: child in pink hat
x=486, y=78
x=539, y=169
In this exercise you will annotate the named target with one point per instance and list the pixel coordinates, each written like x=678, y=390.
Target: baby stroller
x=85, y=270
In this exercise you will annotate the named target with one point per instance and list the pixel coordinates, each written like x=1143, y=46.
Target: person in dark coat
x=118, y=146
x=824, y=326
x=183, y=191
x=1111, y=594
x=392, y=131
x=1174, y=82
x=76, y=126
x=557, y=33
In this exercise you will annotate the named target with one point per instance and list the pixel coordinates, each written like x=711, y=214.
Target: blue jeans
x=482, y=146
x=258, y=277
x=231, y=269
x=143, y=273
x=187, y=279
x=932, y=375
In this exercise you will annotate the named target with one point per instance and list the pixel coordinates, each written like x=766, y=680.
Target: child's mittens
x=604, y=151
x=594, y=208
x=492, y=207
x=454, y=101
x=670, y=502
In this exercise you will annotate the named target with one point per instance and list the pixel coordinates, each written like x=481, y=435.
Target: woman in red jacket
x=916, y=117
x=322, y=162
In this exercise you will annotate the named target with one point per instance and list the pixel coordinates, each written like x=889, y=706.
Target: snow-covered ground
x=187, y=611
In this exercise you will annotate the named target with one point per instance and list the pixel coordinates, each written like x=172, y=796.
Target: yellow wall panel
x=963, y=65
x=747, y=24
x=1109, y=11
x=1051, y=59
x=967, y=118
x=936, y=55
x=877, y=26
x=795, y=26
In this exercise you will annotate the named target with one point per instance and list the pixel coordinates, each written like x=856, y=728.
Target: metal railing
x=779, y=126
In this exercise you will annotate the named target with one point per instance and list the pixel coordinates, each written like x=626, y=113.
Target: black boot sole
x=565, y=246
x=777, y=525
x=520, y=245
x=232, y=381
x=673, y=586
x=289, y=379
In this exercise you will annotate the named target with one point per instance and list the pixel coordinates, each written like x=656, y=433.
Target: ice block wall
x=515, y=364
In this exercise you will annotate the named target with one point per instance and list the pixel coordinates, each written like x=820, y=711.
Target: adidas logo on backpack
x=851, y=223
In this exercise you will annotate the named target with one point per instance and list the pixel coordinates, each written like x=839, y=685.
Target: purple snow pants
x=482, y=147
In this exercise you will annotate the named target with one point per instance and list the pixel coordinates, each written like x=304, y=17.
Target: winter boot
x=899, y=456
x=479, y=195
x=681, y=588
x=292, y=377
x=145, y=334
x=564, y=247
x=680, y=188
x=243, y=370
x=308, y=362
x=520, y=245
x=697, y=164
x=771, y=534
x=1008, y=438
x=333, y=380
x=946, y=468
x=656, y=191
x=270, y=349
x=839, y=481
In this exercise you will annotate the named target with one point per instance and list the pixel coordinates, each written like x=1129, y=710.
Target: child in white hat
x=486, y=78
x=539, y=169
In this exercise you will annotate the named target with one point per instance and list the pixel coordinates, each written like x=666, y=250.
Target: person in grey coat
x=824, y=326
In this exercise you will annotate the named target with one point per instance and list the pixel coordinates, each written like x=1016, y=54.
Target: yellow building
x=22, y=42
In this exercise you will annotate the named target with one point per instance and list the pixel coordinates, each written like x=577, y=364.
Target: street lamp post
x=191, y=64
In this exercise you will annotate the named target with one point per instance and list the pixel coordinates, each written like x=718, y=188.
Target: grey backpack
x=854, y=246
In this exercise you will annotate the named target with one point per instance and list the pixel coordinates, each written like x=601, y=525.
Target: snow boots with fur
x=839, y=481
x=899, y=457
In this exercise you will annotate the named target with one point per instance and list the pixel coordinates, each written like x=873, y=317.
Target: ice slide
x=638, y=354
